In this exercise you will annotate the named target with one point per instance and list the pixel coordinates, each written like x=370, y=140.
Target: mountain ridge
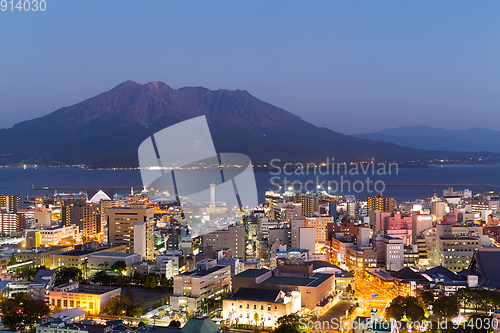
x=432, y=138
x=109, y=127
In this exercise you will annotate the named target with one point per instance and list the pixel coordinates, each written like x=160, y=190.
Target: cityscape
x=249, y=166
x=314, y=260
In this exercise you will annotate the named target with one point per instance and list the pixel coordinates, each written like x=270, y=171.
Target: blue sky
x=352, y=66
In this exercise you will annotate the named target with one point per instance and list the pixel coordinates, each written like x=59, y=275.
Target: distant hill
x=430, y=138
x=106, y=130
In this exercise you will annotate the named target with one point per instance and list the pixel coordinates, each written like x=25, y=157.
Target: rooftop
x=315, y=280
x=201, y=273
x=114, y=254
x=252, y=273
x=255, y=295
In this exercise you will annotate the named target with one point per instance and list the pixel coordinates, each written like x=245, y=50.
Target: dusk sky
x=351, y=66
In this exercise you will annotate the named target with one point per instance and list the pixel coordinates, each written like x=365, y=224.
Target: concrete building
x=314, y=289
x=42, y=256
x=420, y=223
x=310, y=205
x=454, y=246
x=320, y=224
x=269, y=305
x=9, y=222
x=79, y=257
x=11, y=203
x=307, y=239
x=104, y=260
x=90, y=297
x=84, y=215
x=170, y=263
x=207, y=281
x=233, y=237
x=65, y=235
x=438, y=209
x=381, y=204
x=390, y=251
x=296, y=224
x=42, y=283
x=122, y=225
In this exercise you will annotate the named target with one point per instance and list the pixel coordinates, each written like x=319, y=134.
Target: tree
x=13, y=259
x=147, y=282
x=414, y=312
x=120, y=281
x=348, y=290
x=288, y=324
x=129, y=292
x=152, y=283
x=174, y=323
x=102, y=277
x=119, y=267
x=165, y=283
x=121, y=305
x=64, y=274
x=427, y=297
x=445, y=307
x=256, y=317
x=22, y=312
x=395, y=311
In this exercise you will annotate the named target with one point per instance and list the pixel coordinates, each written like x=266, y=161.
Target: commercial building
x=453, y=246
x=320, y=224
x=269, y=305
x=84, y=215
x=310, y=205
x=207, y=281
x=296, y=224
x=133, y=227
x=233, y=238
x=390, y=252
x=65, y=235
x=381, y=204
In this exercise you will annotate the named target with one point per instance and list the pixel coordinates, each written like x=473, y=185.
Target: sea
x=403, y=184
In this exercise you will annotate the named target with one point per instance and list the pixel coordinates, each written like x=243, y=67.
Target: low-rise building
x=105, y=260
x=269, y=305
x=207, y=281
x=90, y=297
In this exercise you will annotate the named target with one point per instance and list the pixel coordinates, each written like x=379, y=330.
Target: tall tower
x=212, y=193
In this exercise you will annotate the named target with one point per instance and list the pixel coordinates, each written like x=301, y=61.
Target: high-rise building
x=84, y=215
x=296, y=224
x=9, y=222
x=332, y=210
x=133, y=227
x=438, y=209
x=310, y=205
x=320, y=224
x=233, y=238
x=11, y=203
x=381, y=204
